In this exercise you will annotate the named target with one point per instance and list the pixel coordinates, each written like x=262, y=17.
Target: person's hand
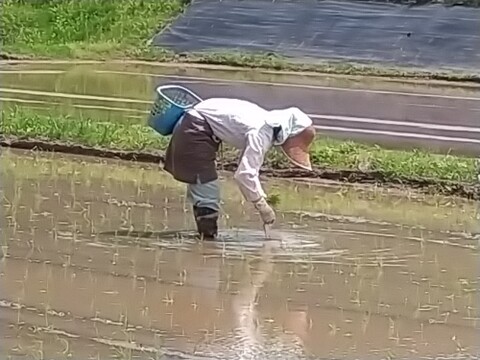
x=266, y=212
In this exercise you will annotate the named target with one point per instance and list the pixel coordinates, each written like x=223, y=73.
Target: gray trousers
x=205, y=195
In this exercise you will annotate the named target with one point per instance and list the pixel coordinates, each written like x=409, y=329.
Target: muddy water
x=123, y=92
x=345, y=274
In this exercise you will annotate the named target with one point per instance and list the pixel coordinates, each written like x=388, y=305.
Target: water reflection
x=375, y=283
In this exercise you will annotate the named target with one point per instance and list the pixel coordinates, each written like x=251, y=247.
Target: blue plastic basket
x=169, y=107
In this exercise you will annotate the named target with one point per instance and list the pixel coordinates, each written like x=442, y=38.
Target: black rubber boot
x=206, y=220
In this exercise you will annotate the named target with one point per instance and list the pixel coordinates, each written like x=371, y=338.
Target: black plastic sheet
x=309, y=30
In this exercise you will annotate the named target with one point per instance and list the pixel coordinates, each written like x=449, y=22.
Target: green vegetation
x=325, y=153
x=101, y=29
x=86, y=28
x=274, y=199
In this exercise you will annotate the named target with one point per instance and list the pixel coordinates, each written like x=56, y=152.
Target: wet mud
x=426, y=186
x=100, y=261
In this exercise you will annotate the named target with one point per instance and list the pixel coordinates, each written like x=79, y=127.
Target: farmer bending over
x=191, y=153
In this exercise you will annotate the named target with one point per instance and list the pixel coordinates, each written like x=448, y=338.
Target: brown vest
x=192, y=151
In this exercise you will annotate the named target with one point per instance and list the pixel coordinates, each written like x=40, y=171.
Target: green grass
x=325, y=152
x=104, y=29
x=82, y=28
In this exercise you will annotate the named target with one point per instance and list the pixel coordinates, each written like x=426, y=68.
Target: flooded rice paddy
x=123, y=91
x=99, y=261
x=390, y=113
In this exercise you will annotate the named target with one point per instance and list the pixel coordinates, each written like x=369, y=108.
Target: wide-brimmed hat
x=296, y=148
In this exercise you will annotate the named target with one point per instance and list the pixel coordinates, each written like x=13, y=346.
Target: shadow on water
x=95, y=266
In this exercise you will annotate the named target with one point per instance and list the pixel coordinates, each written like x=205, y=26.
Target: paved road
x=440, y=123
x=420, y=36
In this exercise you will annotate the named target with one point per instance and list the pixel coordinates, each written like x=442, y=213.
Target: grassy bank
x=83, y=28
x=102, y=30
x=325, y=153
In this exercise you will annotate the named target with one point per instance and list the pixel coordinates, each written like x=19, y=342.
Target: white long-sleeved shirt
x=249, y=128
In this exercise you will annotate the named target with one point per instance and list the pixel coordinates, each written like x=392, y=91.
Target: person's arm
x=247, y=174
x=251, y=160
